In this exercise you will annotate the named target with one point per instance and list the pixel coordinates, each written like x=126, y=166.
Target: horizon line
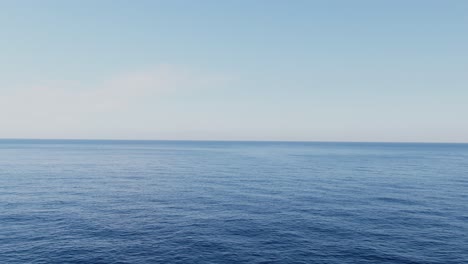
x=234, y=140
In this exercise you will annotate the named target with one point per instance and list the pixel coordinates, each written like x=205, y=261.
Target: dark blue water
x=232, y=202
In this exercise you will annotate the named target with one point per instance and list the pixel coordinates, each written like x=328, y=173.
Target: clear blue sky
x=235, y=70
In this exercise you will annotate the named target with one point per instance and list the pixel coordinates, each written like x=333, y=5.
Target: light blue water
x=232, y=202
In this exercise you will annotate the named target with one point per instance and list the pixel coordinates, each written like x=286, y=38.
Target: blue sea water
x=232, y=202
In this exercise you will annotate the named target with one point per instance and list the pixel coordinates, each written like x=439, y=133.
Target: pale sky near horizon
x=235, y=70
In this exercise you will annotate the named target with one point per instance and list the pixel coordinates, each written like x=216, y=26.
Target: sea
x=104, y=201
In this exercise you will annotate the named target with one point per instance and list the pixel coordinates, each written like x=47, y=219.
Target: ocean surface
x=73, y=201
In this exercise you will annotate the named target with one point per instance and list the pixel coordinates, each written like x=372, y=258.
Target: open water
x=73, y=201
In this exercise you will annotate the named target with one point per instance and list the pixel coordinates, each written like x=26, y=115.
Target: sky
x=363, y=70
